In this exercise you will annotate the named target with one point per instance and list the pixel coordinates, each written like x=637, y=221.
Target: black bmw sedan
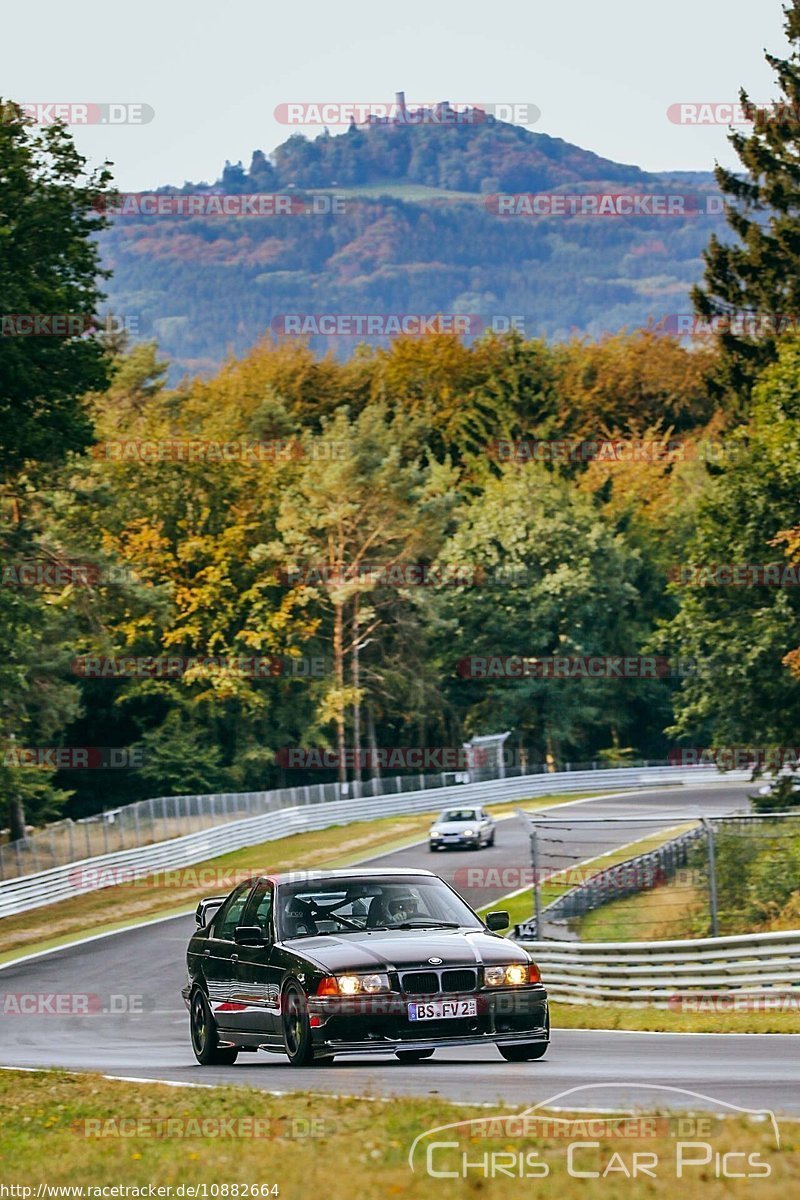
x=357, y=962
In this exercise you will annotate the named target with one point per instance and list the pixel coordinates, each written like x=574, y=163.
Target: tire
x=205, y=1038
x=524, y=1053
x=296, y=1027
x=491, y=839
x=413, y=1056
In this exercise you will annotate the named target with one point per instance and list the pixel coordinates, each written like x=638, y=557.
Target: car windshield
x=459, y=814
x=348, y=906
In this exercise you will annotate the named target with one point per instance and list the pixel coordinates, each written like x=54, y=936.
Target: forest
x=296, y=565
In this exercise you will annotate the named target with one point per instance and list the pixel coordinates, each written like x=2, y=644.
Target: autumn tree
x=359, y=510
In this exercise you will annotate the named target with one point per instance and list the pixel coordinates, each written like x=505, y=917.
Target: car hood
x=406, y=949
x=455, y=826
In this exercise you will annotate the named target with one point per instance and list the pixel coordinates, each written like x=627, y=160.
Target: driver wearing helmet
x=402, y=908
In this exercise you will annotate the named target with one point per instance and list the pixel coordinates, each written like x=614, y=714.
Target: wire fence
x=712, y=877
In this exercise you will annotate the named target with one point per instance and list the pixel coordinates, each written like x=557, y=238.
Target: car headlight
x=512, y=975
x=354, y=985
x=436, y=833
x=468, y=832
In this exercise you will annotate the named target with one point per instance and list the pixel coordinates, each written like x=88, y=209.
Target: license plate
x=435, y=1010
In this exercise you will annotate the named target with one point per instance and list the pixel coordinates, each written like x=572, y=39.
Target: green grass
x=646, y=1017
x=60, y=1129
x=396, y=191
x=674, y=910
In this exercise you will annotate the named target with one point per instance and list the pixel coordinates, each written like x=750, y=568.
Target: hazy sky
x=603, y=75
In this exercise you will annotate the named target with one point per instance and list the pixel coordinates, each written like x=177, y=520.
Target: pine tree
x=754, y=283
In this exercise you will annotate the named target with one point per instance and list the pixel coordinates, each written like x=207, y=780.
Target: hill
x=391, y=219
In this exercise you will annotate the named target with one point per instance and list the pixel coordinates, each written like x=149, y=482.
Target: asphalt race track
x=141, y=1030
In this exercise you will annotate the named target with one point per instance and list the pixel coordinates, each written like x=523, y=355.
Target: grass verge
x=649, y=1019
x=58, y=1129
x=678, y=909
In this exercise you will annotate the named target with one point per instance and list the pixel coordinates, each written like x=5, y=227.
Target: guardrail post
x=537, y=885
x=712, y=877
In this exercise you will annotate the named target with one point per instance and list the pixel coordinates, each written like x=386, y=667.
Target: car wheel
x=296, y=1028
x=524, y=1053
x=412, y=1056
x=491, y=839
x=205, y=1038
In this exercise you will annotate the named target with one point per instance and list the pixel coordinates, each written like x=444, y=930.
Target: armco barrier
x=756, y=970
x=47, y=887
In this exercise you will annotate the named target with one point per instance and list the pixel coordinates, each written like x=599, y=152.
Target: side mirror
x=248, y=935
x=206, y=910
x=497, y=920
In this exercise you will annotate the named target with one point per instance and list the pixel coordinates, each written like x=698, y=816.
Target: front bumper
x=388, y=1045
x=447, y=843
x=364, y=1025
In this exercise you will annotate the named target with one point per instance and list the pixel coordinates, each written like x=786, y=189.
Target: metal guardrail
x=757, y=970
x=147, y=821
x=90, y=874
x=636, y=874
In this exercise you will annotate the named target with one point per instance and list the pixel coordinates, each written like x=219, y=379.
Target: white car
x=468, y=828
